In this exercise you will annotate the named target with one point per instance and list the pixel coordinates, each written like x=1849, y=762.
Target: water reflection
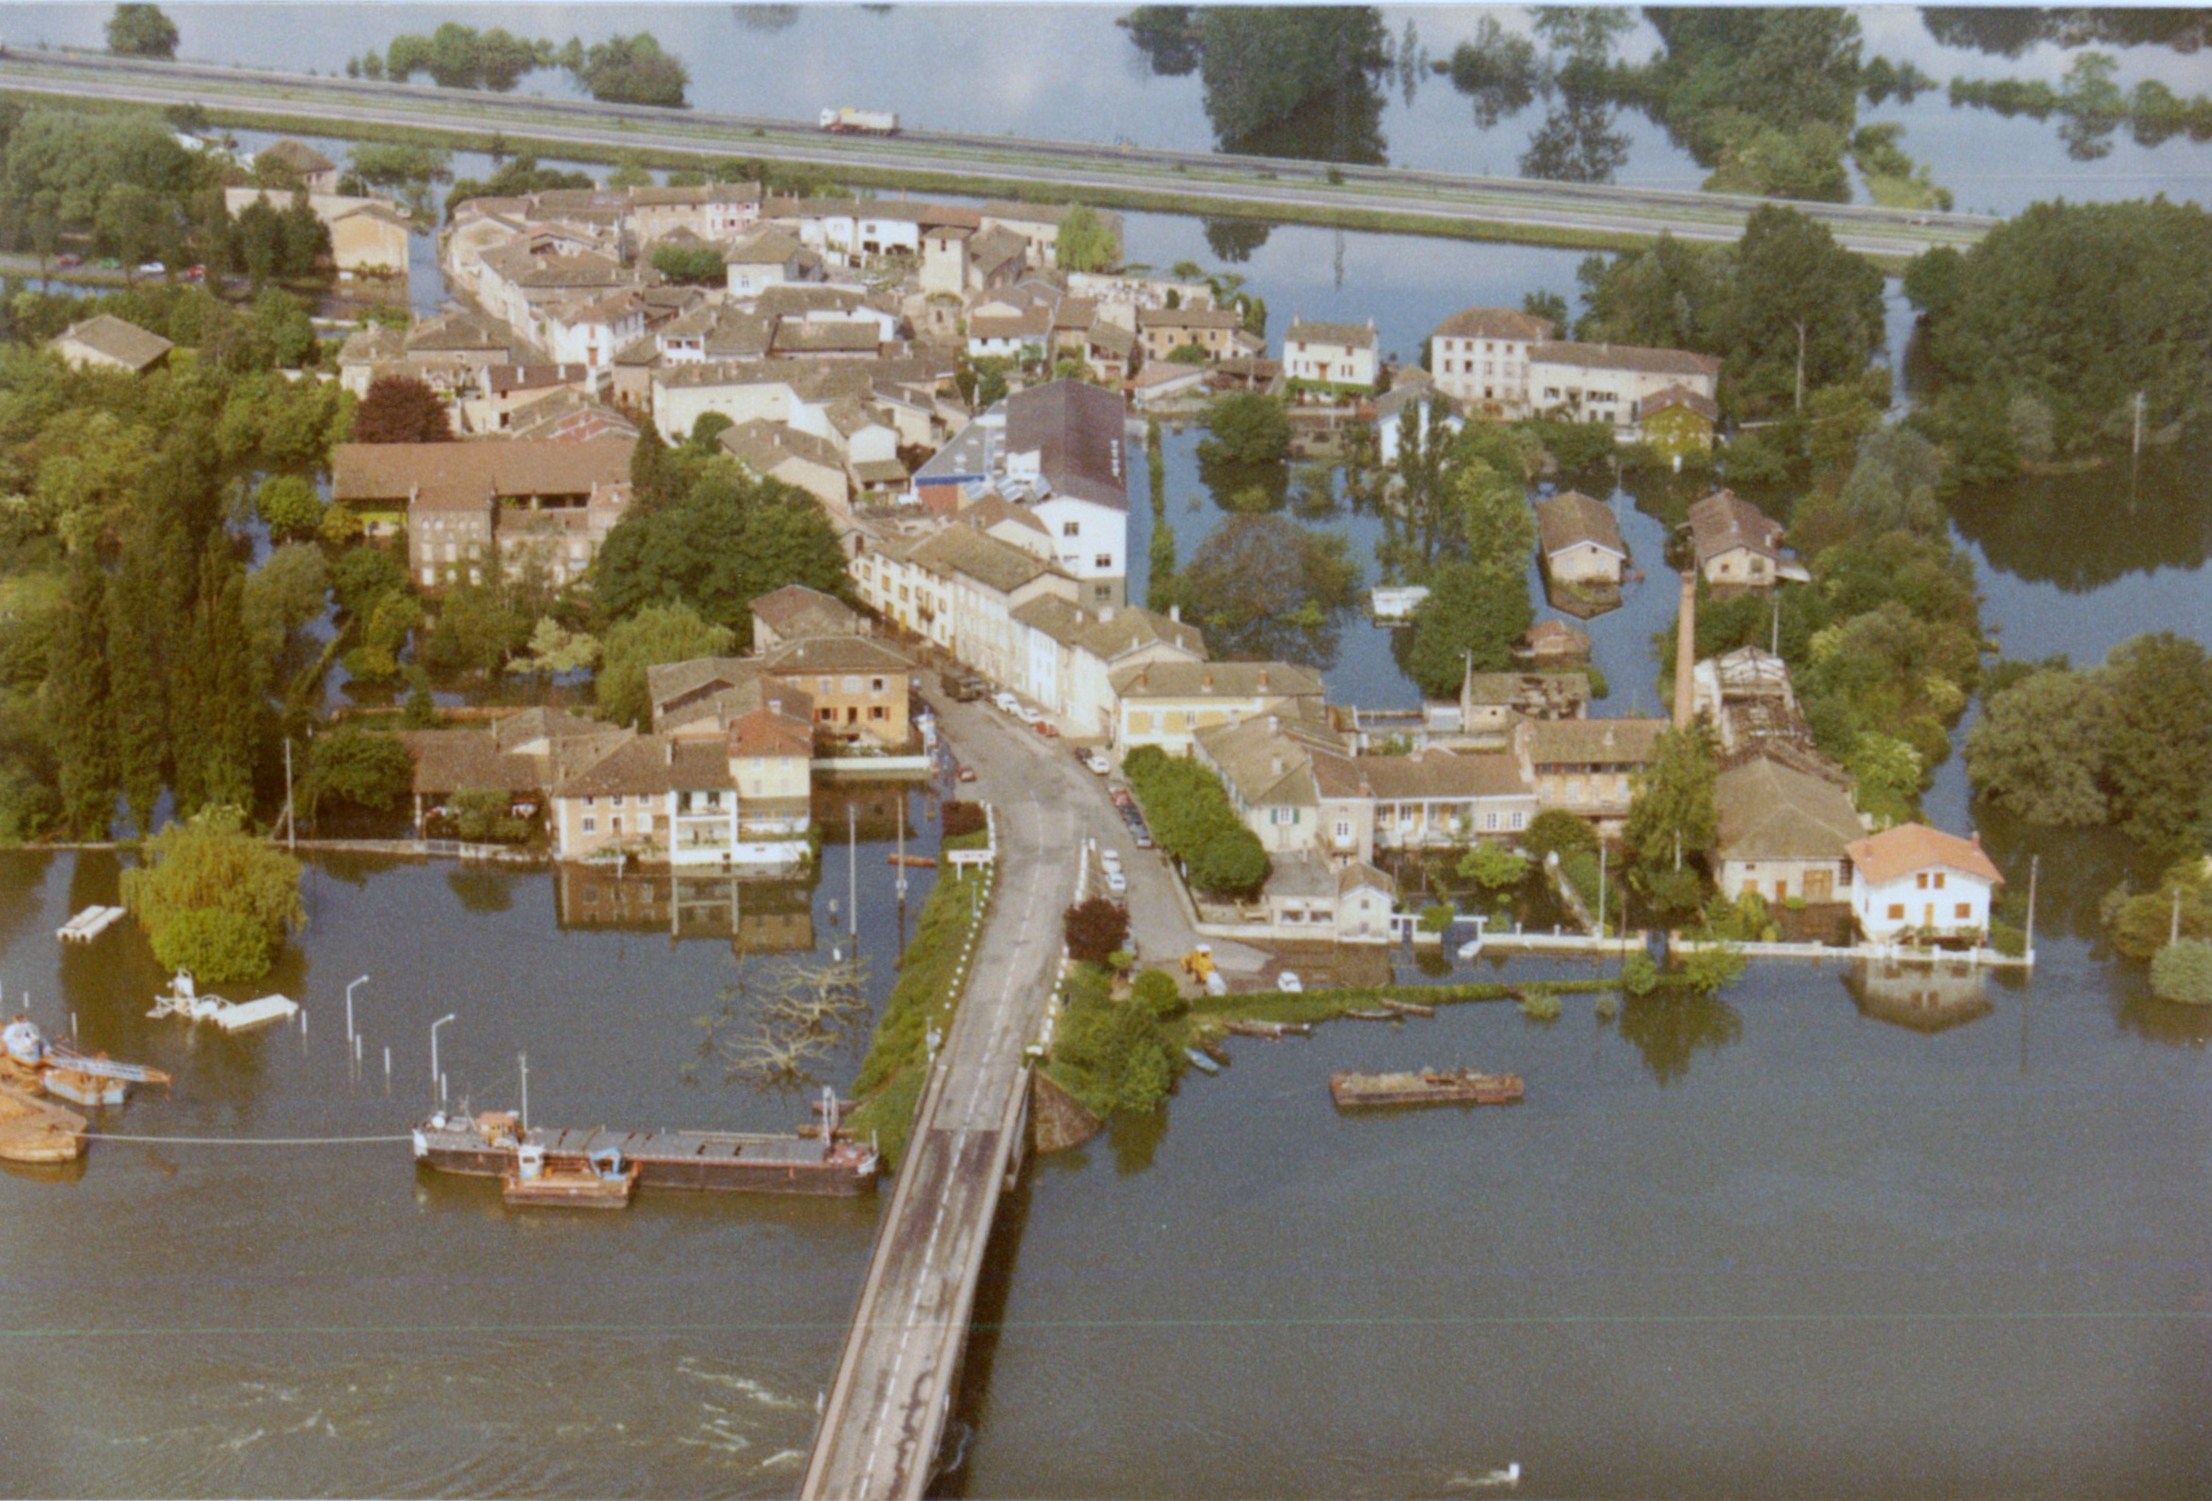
x=1669, y=1030
x=1235, y=240
x=754, y=914
x=1576, y=143
x=2011, y=32
x=1922, y=997
x=2084, y=530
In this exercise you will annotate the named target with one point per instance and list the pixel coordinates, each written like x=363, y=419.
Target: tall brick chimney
x=1685, y=656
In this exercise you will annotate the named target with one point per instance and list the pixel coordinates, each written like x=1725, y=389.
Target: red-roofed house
x=1916, y=881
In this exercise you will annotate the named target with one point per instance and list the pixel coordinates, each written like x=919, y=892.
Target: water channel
x=1833, y=1234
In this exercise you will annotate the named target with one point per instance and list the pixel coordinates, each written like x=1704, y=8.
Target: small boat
x=89, y=924
x=1411, y=1008
x=80, y=1088
x=600, y=1181
x=1201, y=1061
x=1272, y=1031
x=31, y=1062
x=912, y=862
x=1433, y=1086
x=1364, y=1015
x=1212, y=1048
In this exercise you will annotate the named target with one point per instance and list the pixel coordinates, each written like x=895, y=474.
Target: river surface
x=1069, y=72
x=1784, y=1243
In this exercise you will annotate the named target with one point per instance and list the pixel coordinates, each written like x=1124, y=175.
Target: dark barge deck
x=715, y=1161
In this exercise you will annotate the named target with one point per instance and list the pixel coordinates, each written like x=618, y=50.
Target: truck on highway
x=865, y=122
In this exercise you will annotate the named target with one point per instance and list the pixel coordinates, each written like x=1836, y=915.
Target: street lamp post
x=435, y=1076
x=350, y=989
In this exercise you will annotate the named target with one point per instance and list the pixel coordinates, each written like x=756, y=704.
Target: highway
x=1275, y=188
x=885, y=1415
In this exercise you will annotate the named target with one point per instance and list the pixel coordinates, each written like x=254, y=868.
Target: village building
x=1610, y=383
x=1164, y=385
x=1492, y=703
x=1586, y=766
x=289, y=161
x=1412, y=394
x=1746, y=696
x=1058, y=450
x=368, y=236
x=1334, y=356
x=1435, y=798
x=1068, y=655
x=1167, y=703
x=567, y=414
x=860, y=687
x=713, y=212
x=1580, y=539
x=1786, y=823
x=1479, y=357
x=1553, y=645
x=1678, y=422
x=767, y=255
x=473, y=508
x=1739, y=546
x=777, y=451
x=1269, y=765
x=1914, y=882
x=961, y=589
x=796, y=612
x=106, y=342
x=1210, y=330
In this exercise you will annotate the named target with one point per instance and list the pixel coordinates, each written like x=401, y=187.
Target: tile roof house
x=1553, y=644
x=1783, y=831
x=960, y=587
x=1067, y=655
x=1915, y=882
x=1334, y=355
x=1479, y=358
x=1586, y=766
x=1168, y=703
x=315, y=171
x=1738, y=545
x=1612, y=383
x=861, y=687
x=1580, y=539
x=469, y=503
x=106, y=342
x=795, y=611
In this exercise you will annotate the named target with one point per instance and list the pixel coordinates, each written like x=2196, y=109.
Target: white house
x=1479, y=358
x=1611, y=382
x=765, y=256
x=1331, y=354
x=1916, y=881
x=591, y=330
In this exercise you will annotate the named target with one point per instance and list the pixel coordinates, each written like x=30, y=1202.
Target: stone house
x=1167, y=703
x=1580, y=539
x=1586, y=766
x=107, y=342
x=1479, y=357
x=1739, y=546
x=1611, y=383
x=1786, y=824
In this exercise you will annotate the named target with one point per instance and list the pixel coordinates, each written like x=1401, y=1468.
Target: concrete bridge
x=885, y=1416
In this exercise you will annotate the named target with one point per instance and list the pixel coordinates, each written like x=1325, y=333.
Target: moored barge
x=487, y=1146
x=1429, y=1086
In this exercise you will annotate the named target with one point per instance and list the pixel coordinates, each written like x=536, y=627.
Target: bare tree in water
x=782, y=1020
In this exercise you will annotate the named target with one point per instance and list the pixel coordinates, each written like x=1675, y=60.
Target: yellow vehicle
x=1199, y=963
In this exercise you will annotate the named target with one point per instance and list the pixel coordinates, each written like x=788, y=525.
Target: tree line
x=620, y=70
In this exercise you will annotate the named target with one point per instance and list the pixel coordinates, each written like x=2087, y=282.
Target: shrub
x=962, y=818
x=1112, y=1055
x=1539, y=1006
x=1710, y=971
x=480, y=815
x=2182, y=971
x=1639, y=975
x=1557, y=831
x=1435, y=917
x=214, y=899
x=1158, y=993
x=1094, y=929
x=289, y=505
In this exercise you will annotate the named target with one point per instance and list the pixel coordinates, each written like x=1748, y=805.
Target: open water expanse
x=1783, y=1243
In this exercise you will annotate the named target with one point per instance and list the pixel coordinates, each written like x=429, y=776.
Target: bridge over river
x=886, y=1412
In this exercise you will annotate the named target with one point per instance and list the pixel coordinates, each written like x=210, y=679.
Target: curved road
x=1276, y=187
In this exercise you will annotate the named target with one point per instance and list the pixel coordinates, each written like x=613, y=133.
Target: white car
x=1006, y=702
x=1289, y=983
x=1117, y=883
x=1110, y=859
x=1098, y=763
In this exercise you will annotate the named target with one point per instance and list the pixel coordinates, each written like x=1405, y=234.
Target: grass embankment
x=931, y=977
x=1326, y=1005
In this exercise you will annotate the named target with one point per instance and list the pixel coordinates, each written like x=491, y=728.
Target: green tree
x=138, y=678
x=215, y=900
x=1556, y=831
x=555, y=649
x=690, y=265
x=401, y=409
x=1493, y=867
x=2183, y=972
x=362, y=576
x=1085, y=243
x=78, y=703
x=2039, y=749
x=2158, y=742
x=628, y=70
x=1263, y=586
x=357, y=766
x=656, y=634
x=290, y=506
x=1247, y=445
x=1472, y=614
x=1671, y=813
x=215, y=711
x=142, y=31
x=1230, y=862
x=1094, y=928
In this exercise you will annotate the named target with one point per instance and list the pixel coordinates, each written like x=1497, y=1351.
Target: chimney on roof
x=1276, y=762
x=1263, y=680
x=1175, y=613
x=668, y=752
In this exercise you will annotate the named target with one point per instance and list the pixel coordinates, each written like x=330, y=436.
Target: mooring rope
x=243, y=1141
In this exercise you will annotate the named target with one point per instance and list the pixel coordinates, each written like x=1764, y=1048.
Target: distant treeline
x=619, y=70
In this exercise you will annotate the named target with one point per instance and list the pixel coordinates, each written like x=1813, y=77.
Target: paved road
x=886, y=1412
x=1276, y=187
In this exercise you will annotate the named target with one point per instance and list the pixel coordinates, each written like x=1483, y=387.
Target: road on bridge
x=1277, y=188
x=886, y=1412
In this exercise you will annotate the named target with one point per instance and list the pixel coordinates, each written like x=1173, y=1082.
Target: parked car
x=153, y=268
x=962, y=690
x=965, y=774
x=1117, y=883
x=1045, y=727
x=1098, y=764
x=1118, y=793
x=1142, y=835
x=68, y=259
x=1288, y=982
x=1110, y=859
x=195, y=273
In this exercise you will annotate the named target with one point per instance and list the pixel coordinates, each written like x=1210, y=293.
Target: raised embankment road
x=885, y=1415
x=1399, y=198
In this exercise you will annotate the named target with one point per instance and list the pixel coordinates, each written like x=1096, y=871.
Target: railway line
x=1272, y=187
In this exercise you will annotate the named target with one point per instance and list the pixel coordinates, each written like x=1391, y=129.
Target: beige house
x=1214, y=330
x=961, y=589
x=795, y=612
x=1586, y=766
x=1611, y=383
x=1272, y=768
x=1167, y=703
x=1738, y=545
x=106, y=342
x=1479, y=358
x=1308, y=898
x=296, y=159
x=472, y=508
x=1071, y=653
x=861, y=687
x=778, y=451
x=1581, y=540
x=1785, y=829
x=1438, y=798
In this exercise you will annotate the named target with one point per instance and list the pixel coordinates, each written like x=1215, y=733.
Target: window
x=827, y=716
x=877, y=711
x=875, y=685
x=1519, y=819
x=1896, y=911
x=1344, y=828
x=1071, y=528
x=591, y=825
x=1281, y=816
x=1964, y=911
x=1921, y=880
x=617, y=799
x=1103, y=560
x=1939, y=880
x=614, y=824
x=590, y=801
x=1490, y=821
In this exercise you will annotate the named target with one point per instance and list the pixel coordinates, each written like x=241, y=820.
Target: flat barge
x=488, y=1145
x=1430, y=1086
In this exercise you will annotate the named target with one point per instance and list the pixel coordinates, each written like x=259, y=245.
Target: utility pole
x=522, y=1061
x=1601, y=888
x=2035, y=865
x=2138, y=449
x=901, y=882
x=2173, y=930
